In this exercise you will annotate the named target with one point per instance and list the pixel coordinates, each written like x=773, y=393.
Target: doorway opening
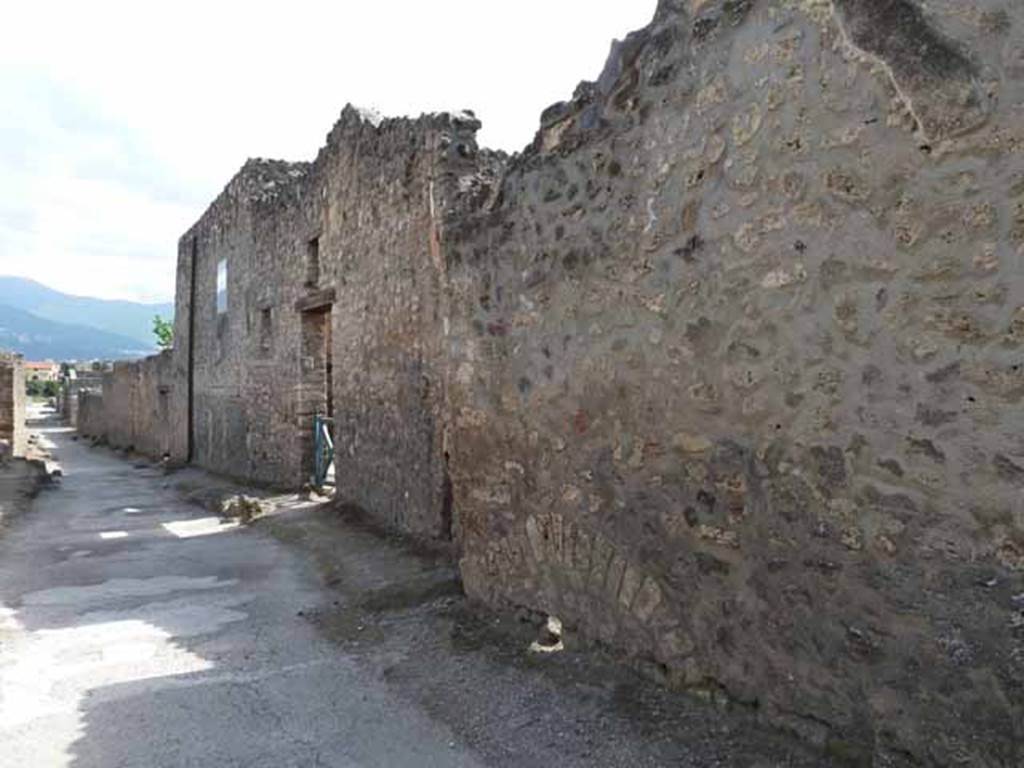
x=316, y=398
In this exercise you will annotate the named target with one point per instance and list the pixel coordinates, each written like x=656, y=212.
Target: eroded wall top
x=736, y=366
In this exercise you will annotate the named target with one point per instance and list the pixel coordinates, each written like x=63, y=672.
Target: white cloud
x=121, y=121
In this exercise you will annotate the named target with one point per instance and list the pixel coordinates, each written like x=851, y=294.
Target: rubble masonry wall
x=13, y=403
x=736, y=368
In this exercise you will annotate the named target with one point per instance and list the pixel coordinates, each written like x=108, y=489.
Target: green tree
x=164, y=332
x=42, y=389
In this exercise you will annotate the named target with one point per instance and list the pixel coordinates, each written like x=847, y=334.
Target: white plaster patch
x=206, y=526
x=464, y=374
x=780, y=278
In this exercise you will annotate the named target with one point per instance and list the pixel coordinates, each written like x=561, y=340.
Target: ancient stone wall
x=724, y=370
x=334, y=305
x=132, y=408
x=385, y=199
x=91, y=415
x=120, y=387
x=12, y=403
x=736, y=372
x=151, y=415
x=216, y=339
x=73, y=382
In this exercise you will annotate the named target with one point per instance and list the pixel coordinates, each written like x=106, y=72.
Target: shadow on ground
x=305, y=639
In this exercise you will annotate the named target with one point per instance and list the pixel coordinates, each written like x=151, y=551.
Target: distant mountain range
x=43, y=324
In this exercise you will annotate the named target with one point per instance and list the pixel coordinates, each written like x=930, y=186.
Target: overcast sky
x=121, y=121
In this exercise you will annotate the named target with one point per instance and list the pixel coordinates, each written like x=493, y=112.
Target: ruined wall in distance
x=13, y=403
x=132, y=408
x=71, y=385
x=91, y=414
x=120, y=391
x=736, y=369
x=152, y=419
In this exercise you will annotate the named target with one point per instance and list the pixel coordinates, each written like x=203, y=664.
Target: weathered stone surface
x=131, y=408
x=723, y=370
x=335, y=304
x=75, y=380
x=763, y=281
x=13, y=431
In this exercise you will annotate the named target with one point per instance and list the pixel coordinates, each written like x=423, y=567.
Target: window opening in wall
x=313, y=263
x=222, y=286
x=266, y=329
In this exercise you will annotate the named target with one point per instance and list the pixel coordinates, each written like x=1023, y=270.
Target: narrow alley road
x=138, y=631
x=133, y=633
